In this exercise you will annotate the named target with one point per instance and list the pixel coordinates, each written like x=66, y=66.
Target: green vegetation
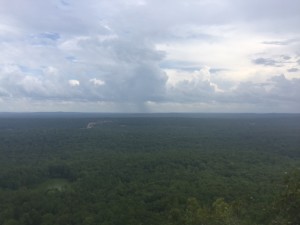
x=187, y=170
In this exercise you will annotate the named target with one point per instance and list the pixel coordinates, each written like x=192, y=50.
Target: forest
x=150, y=169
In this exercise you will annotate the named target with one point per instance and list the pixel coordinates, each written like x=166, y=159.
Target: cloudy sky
x=150, y=55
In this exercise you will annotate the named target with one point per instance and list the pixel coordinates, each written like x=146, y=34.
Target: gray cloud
x=277, y=90
x=91, y=51
x=193, y=91
x=179, y=65
x=276, y=42
x=284, y=42
x=266, y=62
x=286, y=57
x=276, y=93
x=275, y=61
x=293, y=70
x=269, y=16
x=130, y=71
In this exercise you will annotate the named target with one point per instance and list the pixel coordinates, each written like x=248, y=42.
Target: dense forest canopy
x=188, y=169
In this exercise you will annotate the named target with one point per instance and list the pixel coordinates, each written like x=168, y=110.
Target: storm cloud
x=139, y=55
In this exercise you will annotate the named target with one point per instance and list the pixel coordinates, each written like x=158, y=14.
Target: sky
x=227, y=56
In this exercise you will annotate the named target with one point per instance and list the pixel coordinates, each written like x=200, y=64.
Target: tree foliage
x=146, y=170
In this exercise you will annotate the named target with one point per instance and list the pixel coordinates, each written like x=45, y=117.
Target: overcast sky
x=150, y=55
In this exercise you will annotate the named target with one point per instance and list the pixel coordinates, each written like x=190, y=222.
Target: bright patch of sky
x=150, y=56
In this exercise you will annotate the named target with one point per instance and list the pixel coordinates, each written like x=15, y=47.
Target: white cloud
x=74, y=83
x=50, y=70
x=97, y=82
